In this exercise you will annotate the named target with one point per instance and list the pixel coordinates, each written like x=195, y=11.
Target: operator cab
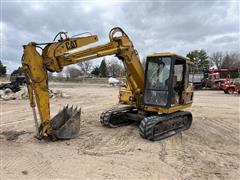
x=167, y=81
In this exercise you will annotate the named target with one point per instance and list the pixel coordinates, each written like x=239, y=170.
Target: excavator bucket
x=66, y=124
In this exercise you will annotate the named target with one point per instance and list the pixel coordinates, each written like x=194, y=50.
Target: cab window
x=157, y=81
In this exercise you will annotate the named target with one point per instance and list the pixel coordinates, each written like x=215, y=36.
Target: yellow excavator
x=154, y=95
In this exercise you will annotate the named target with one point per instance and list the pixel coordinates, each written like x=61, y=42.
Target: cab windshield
x=157, y=81
x=158, y=73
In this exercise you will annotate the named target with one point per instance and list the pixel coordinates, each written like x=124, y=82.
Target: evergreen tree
x=3, y=70
x=200, y=59
x=103, y=69
x=18, y=72
x=95, y=71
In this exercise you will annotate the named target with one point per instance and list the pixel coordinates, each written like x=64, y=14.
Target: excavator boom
x=57, y=55
x=154, y=97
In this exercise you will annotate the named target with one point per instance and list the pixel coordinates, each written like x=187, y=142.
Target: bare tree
x=217, y=59
x=50, y=75
x=115, y=69
x=231, y=60
x=73, y=73
x=60, y=74
x=85, y=67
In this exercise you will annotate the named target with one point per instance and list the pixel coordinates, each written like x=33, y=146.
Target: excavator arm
x=57, y=55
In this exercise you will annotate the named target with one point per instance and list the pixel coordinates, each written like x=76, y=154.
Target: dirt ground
x=209, y=150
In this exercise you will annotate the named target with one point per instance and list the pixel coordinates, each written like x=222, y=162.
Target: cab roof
x=170, y=54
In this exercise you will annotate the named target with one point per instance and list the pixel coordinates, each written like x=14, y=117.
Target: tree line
x=114, y=67
x=219, y=59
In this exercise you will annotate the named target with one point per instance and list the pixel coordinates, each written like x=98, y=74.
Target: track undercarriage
x=153, y=127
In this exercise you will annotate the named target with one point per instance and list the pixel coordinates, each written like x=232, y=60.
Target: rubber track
x=147, y=125
x=105, y=117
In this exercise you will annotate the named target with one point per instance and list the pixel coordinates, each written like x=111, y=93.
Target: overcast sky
x=172, y=26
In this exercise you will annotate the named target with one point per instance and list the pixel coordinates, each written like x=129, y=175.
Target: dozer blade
x=66, y=124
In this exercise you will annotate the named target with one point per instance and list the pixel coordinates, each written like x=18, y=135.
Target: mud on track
x=209, y=150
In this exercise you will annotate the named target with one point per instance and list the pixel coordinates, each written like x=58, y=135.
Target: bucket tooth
x=66, y=124
x=76, y=109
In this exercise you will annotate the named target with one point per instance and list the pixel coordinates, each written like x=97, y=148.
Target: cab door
x=187, y=94
x=158, y=78
x=182, y=92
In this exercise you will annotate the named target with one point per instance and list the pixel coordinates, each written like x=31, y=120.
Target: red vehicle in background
x=218, y=77
x=237, y=88
x=231, y=87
